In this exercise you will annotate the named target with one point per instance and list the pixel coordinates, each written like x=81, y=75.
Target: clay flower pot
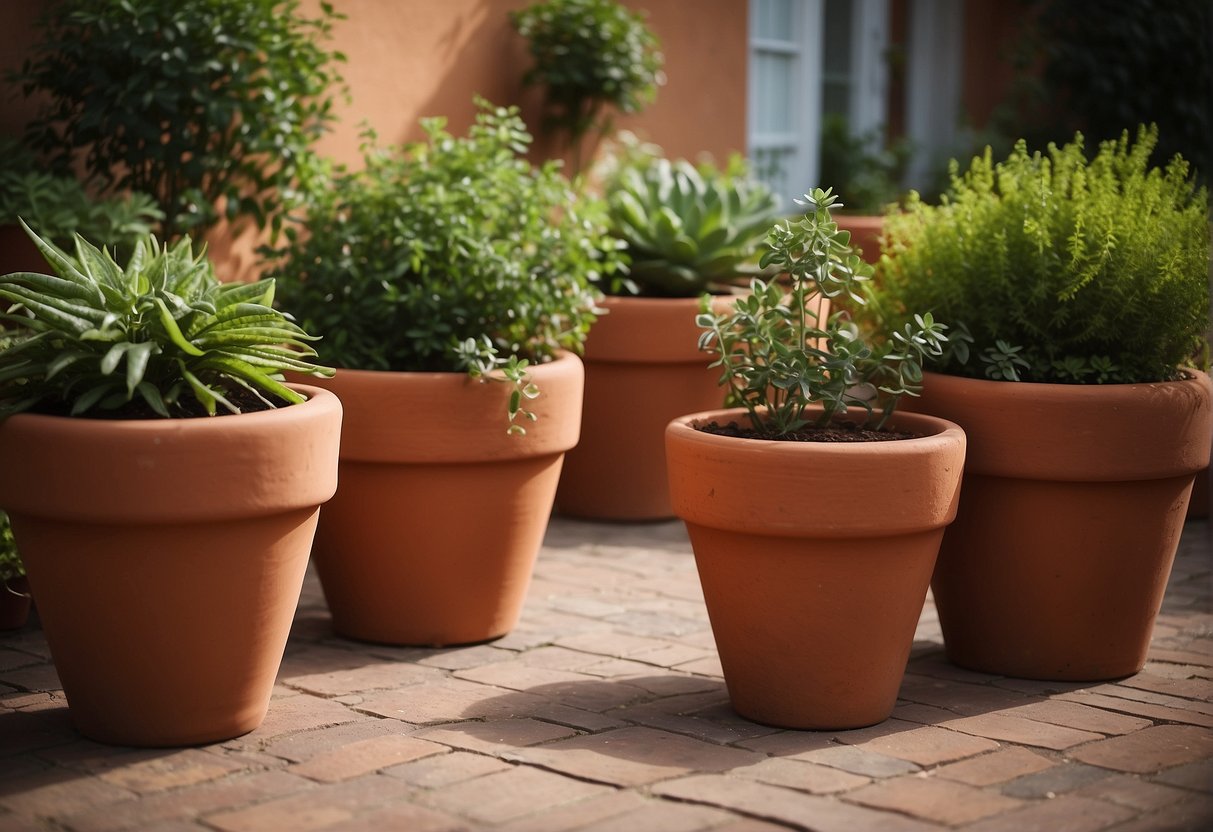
x=1074, y=502
x=15, y=602
x=643, y=368
x=814, y=560
x=435, y=528
x=865, y=232
x=167, y=556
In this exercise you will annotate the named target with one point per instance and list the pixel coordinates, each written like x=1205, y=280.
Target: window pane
x=773, y=89
x=773, y=19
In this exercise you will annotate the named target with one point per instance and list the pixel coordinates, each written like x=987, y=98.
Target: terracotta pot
x=15, y=603
x=643, y=368
x=434, y=530
x=167, y=558
x=865, y=232
x=1074, y=503
x=814, y=560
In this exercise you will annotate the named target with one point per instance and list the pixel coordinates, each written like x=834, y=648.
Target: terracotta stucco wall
x=413, y=58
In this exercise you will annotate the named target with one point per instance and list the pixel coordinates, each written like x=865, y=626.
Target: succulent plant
x=687, y=227
x=158, y=337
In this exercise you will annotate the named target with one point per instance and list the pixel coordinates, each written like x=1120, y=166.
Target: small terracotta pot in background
x=1075, y=497
x=434, y=530
x=167, y=556
x=866, y=230
x=15, y=603
x=814, y=560
x=643, y=368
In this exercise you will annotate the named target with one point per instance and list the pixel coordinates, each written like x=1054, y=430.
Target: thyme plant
x=1061, y=269
x=777, y=357
x=158, y=337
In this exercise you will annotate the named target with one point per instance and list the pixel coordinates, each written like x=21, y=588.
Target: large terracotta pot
x=440, y=514
x=167, y=556
x=643, y=367
x=1074, y=502
x=815, y=560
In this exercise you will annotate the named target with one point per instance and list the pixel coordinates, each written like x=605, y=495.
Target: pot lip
x=450, y=376
x=1189, y=375
x=314, y=396
x=936, y=430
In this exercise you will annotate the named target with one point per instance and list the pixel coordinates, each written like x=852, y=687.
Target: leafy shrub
x=10, y=561
x=1061, y=269
x=777, y=358
x=448, y=255
x=158, y=337
x=860, y=166
x=589, y=55
x=687, y=227
x=191, y=101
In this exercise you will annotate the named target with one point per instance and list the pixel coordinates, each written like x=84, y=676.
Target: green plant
x=1095, y=66
x=1062, y=269
x=59, y=206
x=589, y=55
x=861, y=166
x=777, y=358
x=686, y=227
x=10, y=561
x=158, y=337
x=448, y=255
x=199, y=103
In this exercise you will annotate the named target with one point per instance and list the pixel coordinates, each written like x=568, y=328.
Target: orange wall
x=413, y=58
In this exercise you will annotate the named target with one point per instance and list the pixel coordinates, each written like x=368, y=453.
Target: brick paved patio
x=605, y=710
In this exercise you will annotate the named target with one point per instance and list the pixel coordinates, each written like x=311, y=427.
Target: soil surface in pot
x=247, y=401
x=837, y=432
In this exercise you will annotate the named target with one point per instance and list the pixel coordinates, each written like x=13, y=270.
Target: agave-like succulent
x=160, y=334
x=686, y=227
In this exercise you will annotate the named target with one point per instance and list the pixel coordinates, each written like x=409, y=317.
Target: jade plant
x=687, y=228
x=157, y=337
x=1061, y=268
x=209, y=107
x=778, y=358
x=590, y=56
x=454, y=254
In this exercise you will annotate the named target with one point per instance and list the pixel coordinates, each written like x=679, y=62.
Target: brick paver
x=605, y=711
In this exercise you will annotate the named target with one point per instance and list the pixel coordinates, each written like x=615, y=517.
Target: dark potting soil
x=836, y=432
x=139, y=409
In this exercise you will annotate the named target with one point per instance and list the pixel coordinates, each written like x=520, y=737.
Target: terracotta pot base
x=813, y=634
x=406, y=580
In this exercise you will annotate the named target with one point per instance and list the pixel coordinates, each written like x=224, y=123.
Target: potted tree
x=815, y=533
x=1084, y=286
x=163, y=485
x=590, y=57
x=14, y=588
x=209, y=108
x=457, y=280
x=685, y=229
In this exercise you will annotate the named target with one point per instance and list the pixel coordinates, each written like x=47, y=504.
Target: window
x=809, y=58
